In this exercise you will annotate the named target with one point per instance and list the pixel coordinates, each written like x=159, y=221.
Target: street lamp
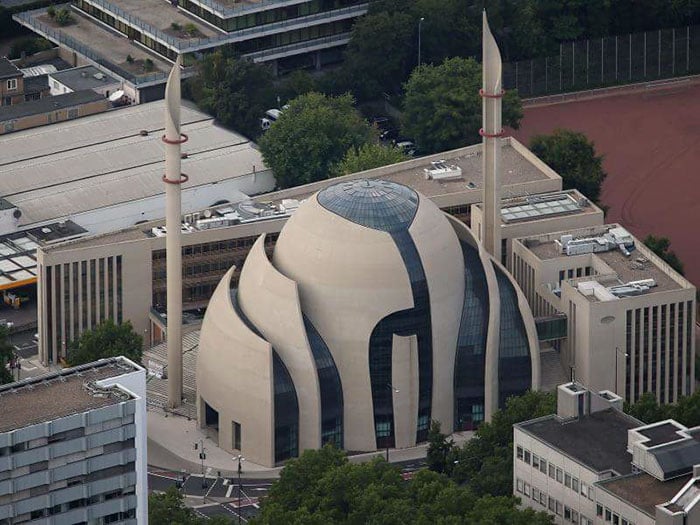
x=420, y=23
x=617, y=351
x=395, y=391
x=240, y=469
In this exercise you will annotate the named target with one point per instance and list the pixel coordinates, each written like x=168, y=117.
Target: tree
x=106, y=340
x=442, y=106
x=380, y=53
x=323, y=488
x=647, y=409
x=368, y=156
x=661, y=247
x=6, y=355
x=168, y=508
x=236, y=91
x=311, y=136
x=28, y=46
x=485, y=462
x=439, y=448
x=572, y=156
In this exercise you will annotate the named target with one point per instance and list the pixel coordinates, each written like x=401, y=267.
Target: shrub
x=175, y=26
x=148, y=64
x=51, y=11
x=63, y=16
x=129, y=59
x=191, y=29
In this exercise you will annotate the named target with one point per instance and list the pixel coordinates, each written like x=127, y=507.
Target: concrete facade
x=631, y=344
x=592, y=464
x=82, y=459
x=334, y=285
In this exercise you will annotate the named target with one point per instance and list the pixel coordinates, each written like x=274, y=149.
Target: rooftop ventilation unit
x=615, y=238
x=440, y=170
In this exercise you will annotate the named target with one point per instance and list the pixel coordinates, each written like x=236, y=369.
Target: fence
x=608, y=61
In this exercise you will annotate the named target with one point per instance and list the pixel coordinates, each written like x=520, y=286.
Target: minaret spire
x=491, y=132
x=173, y=178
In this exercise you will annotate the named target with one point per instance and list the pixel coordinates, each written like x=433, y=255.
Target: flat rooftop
x=85, y=77
x=103, y=160
x=48, y=104
x=109, y=45
x=523, y=174
x=161, y=16
x=661, y=433
x=644, y=491
x=598, y=440
x=641, y=264
x=53, y=396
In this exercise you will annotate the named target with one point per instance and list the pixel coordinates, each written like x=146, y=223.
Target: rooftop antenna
x=491, y=133
x=173, y=179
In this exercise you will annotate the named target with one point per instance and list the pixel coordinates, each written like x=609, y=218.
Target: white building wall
x=135, y=383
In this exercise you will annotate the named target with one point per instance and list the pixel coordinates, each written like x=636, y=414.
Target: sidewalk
x=171, y=442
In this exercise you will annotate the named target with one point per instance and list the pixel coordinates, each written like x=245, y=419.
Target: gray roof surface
x=8, y=69
x=644, y=491
x=79, y=78
x=662, y=433
x=676, y=459
x=49, y=397
x=46, y=104
x=598, y=440
x=36, y=84
x=102, y=160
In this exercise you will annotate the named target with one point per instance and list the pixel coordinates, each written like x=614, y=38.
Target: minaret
x=491, y=95
x=173, y=178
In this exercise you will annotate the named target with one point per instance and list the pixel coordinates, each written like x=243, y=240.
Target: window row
x=611, y=517
x=554, y=472
x=553, y=505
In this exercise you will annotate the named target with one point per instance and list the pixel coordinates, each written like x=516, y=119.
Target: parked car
x=407, y=145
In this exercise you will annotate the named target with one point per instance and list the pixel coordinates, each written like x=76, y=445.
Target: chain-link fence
x=608, y=61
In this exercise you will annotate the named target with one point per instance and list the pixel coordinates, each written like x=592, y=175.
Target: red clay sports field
x=650, y=139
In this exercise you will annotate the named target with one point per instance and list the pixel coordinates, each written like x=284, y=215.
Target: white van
x=271, y=115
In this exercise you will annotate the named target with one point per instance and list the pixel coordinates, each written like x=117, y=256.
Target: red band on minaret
x=491, y=135
x=183, y=138
x=483, y=94
x=183, y=178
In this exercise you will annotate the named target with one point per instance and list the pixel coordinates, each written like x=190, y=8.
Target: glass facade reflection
x=330, y=386
x=470, y=358
x=415, y=321
x=285, y=398
x=286, y=412
x=377, y=204
x=514, y=365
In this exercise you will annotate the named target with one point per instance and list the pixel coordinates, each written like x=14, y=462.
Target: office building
x=630, y=317
x=73, y=446
x=76, y=295
x=375, y=314
x=592, y=464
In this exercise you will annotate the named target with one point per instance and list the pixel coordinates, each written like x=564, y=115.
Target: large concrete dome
x=376, y=314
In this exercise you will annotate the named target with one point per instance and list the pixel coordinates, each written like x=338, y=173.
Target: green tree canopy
x=485, y=462
x=236, y=91
x=322, y=488
x=6, y=355
x=378, y=57
x=661, y=246
x=368, y=156
x=168, y=508
x=442, y=106
x=311, y=136
x=106, y=340
x=647, y=409
x=572, y=156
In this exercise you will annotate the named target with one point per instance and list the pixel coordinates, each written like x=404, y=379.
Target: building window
x=574, y=484
x=567, y=480
x=236, y=435
x=551, y=505
x=599, y=510
x=560, y=475
x=526, y=458
x=574, y=516
x=567, y=513
x=559, y=508
x=535, y=461
x=552, y=471
x=536, y=494
x=12, y=84
x=526, y=489
x=7, y=101
x=543, y=466
x=608, y=514
x=519, y=485
x=543, y=499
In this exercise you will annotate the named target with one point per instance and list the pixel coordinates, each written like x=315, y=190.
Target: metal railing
x=227, y=12
x=197, y=44
x=259, y=55
x=29, y=19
